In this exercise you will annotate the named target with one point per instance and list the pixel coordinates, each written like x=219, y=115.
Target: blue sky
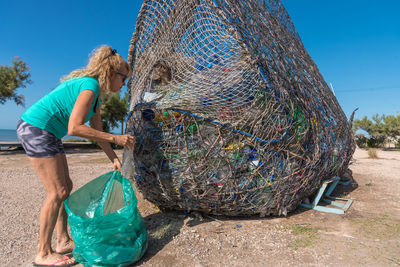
x=356, y=45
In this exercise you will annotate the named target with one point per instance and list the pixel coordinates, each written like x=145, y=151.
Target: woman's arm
x=96, y=123
x=76, y=126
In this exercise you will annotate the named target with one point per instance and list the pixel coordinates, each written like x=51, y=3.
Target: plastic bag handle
x=109, y=187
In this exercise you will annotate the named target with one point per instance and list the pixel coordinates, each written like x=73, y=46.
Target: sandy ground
x=367, y=235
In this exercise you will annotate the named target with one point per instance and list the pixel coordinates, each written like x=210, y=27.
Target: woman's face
x=118, y=80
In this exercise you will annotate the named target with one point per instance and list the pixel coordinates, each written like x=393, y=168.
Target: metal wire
x=242, y=122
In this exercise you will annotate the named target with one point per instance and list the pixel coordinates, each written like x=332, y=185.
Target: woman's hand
x=117, y=165
x=127, y=141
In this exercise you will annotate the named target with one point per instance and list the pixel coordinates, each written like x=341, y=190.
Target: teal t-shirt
x=52, y=112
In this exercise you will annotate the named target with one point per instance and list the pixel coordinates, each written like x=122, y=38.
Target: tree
x=113, y=111
x=363, y=124
x=12, y=78
x=377, y=128
x=381, y=129
x=391, y=126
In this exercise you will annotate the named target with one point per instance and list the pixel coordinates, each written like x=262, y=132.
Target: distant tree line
x=381, y=131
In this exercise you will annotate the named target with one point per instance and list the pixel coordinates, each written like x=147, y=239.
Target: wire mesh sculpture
x=230, y=113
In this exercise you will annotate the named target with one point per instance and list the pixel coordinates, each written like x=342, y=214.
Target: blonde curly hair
x=102, y=62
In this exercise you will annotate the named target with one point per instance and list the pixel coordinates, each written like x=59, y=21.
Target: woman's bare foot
x=65, y=247
x=53, y=259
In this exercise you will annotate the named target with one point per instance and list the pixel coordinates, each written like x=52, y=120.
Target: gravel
x=367, y=235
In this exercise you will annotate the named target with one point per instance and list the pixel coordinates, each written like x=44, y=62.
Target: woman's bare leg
x=52, y=174
x=64, y=241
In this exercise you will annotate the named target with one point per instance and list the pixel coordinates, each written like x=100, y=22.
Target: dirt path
x=367, y=235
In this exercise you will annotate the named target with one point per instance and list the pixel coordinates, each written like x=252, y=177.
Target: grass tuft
x=382, y=227
x=373, y=153
x=307, y=236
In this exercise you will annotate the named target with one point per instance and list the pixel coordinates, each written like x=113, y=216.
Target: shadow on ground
x=162, y=227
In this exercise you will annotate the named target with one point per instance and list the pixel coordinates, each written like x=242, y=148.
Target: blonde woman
x=65, y=110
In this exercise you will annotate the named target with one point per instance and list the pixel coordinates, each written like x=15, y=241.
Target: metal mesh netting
x=230, y=113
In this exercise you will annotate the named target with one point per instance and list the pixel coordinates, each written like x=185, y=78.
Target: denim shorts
x=38, y=143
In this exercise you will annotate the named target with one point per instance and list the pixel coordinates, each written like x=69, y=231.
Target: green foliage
x=376, y=142
x=381, y=129
x=307, y=236
x=391, y=126
x=113, y=111
x=12, y=78
x=361, y=140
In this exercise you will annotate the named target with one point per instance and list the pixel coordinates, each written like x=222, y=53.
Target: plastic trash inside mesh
x=230, y=113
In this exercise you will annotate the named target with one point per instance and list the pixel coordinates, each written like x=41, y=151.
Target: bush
x=372, y=142
x=361, y=140
x=376, y=142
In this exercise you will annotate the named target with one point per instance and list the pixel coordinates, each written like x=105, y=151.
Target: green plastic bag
x=105, y=223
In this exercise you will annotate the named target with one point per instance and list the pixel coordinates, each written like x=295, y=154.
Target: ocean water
x=11, y=135
x=8, y=135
